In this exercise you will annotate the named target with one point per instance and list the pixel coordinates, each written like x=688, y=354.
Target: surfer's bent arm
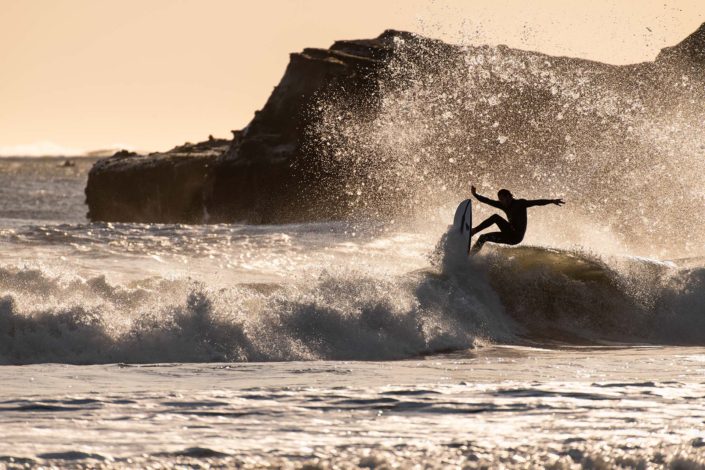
x=486, y=200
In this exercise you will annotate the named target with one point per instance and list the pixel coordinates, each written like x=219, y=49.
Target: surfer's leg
x=494, y=237
x=493, y=219
x=505, y=237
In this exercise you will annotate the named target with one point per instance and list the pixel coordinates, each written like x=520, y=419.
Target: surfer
x=513, y=229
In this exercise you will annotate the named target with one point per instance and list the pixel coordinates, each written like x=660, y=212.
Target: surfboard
x=462, y=222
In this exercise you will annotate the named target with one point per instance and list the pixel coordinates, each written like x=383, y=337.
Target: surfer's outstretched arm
x=544, y=202
x=485, y=200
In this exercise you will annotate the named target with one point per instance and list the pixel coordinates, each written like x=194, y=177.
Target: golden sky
x=151, y=74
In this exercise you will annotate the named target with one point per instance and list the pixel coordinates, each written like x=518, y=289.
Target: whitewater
x=343, y=345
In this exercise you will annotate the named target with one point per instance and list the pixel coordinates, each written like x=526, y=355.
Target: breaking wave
x=511, y=295
x=342, y=316
x=569, y=297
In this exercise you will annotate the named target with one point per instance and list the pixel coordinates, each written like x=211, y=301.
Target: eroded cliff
x=356, y=128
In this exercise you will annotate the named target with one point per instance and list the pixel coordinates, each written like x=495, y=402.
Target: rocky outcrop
x=268, y=175
x=256, y=177
x=159, y=187
x=352, y=128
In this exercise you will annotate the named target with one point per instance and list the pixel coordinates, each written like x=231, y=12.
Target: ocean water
x=333, y=345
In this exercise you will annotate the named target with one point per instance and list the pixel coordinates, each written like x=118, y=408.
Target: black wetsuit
x=511, y=231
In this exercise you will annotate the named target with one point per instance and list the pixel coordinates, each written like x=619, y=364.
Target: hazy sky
x=151, y=74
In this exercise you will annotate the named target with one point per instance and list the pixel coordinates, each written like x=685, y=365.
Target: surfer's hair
x=504, y=192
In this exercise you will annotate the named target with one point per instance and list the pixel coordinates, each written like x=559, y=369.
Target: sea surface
x=334, y=345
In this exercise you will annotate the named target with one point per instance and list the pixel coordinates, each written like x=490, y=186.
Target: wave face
x=573, y=297
x=512, y=295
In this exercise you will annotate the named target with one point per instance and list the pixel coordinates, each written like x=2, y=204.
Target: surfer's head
x=505, y=196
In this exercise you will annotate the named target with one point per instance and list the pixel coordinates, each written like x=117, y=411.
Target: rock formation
x=161, y=187
x=352, y=129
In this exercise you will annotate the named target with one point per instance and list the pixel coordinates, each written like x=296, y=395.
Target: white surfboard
x=462, y=222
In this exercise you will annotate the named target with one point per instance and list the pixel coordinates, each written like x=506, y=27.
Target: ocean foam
x=504, y=295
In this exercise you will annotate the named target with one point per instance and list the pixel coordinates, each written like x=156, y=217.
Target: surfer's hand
x=473, y=190
x=558, y=202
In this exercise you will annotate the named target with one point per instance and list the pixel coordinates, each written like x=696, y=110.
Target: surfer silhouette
x=512, y=230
